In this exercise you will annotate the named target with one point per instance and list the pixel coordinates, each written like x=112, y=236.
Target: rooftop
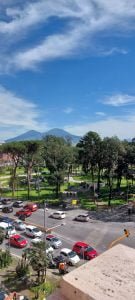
x=109, y=276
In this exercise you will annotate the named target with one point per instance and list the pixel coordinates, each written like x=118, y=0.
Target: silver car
x=82, y=218
x=54, y=241
x=19, y=225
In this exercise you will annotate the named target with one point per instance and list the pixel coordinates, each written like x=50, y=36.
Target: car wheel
x=87, y=257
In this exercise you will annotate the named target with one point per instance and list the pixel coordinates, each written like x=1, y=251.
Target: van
x=8, y=229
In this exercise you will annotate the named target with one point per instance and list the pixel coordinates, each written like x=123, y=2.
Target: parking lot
x=95, y=232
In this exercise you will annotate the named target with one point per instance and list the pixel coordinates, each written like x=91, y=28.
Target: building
x=110, y=276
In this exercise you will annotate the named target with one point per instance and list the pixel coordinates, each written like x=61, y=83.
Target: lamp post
x=45, y=238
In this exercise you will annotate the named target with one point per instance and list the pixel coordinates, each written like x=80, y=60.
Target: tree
x=90, y=153
x=57, y=154
x=2, y=236
x=16, y=152
x=30, y=154
x=22, y=268
x=111, y=148
x=38, y=260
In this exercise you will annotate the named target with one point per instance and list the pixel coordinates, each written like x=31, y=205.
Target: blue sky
x=68, y=64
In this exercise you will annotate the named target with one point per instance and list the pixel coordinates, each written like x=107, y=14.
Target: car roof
x=18, y=221
x=82, y=244
x=83, y=215
x=18, y=201
x=59, y=212
x=66, y=250
x=16, y=236
x=31, y=227
x=50, y=236
x=4, y=224
x=30, y=204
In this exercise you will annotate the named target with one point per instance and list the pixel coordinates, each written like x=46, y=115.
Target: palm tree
x=38, y=260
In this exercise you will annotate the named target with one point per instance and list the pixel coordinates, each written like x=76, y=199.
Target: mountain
x=35, y=135
x=29, y=135
x=64, y=134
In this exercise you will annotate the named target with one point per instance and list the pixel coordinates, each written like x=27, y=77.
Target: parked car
x=85, y=250
x=58, y=259
x=19, y=225
x=82, y=218
x=1, y=205
x=24, y=212
x=54, y=241
x=6, y=201
x=7, y=229
x=6, y=220
x=18, y=203
x=18, y=241
x=35, y=241
x=70, y=256
x=31, y=206
x=58, y=215
x=7, y=209
x=33, y=231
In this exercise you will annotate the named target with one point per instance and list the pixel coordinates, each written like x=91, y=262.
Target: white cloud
x=83, y=20
x=18, y=114
x=64, y=45
x=123, y=128
x=119, y=100
x=113, y=51
x=68, y=110
x=100, y=113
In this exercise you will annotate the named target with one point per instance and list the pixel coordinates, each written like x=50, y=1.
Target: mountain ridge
x=36, y=135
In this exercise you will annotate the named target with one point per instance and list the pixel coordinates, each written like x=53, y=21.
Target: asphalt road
x=97, y=233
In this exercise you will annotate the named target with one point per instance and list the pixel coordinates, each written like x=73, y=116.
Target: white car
x=33, y=231
x=19, y=225
x=58, y=215
x=82, y=218
x=70, y=256
x=8, y=229
x=1, y=205
x=54, y=241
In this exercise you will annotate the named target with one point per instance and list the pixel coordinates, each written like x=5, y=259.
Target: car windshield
x=89, y=249
x=35, y=229
x=19, y=223
x=10, y=228
x=20, y=239
x=55, y=240
x=71, y=254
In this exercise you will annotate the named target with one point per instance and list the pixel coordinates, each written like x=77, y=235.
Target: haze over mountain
x=36, y=135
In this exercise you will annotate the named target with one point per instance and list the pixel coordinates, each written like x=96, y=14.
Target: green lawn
x=48, y=192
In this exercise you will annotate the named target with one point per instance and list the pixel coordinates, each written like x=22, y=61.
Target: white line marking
x=64, y=238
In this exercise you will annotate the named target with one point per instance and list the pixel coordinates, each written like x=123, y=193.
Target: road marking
x=64, y=238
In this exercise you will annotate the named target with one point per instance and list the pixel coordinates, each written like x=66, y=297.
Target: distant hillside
x=29, y=135
x=35, y=135
x=64, y=134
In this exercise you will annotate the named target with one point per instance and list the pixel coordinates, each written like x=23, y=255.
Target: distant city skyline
x=69, y=65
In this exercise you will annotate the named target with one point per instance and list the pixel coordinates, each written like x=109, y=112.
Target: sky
x=67, y=64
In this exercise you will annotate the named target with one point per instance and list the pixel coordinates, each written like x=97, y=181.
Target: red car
x=18, y=241
x=31, y=206
x=84, y=250
x=24, y=212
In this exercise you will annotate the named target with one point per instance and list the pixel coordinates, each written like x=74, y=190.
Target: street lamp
x=45, y=237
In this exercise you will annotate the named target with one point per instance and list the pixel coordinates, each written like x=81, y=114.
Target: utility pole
x=45, y=237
